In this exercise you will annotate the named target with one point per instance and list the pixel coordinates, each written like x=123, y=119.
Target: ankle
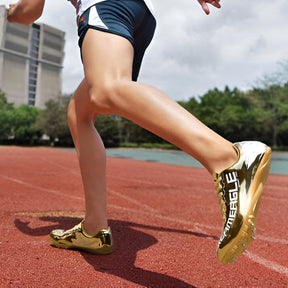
x=227, y=160
x=94, y=227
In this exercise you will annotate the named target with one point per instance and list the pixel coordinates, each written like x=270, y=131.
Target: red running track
x=165, y=221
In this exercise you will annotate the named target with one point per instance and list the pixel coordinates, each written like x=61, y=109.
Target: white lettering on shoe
x=231, y=178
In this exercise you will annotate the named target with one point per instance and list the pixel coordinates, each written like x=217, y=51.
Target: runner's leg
x=107, y=62
x=108, y=89
x=92, y=159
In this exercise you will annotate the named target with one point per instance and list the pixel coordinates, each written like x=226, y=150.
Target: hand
x=205, y=7
x=10, y=11
x=25, y=11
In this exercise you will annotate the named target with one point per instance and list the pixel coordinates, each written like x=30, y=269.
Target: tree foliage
x=6, y=113
x=257, y=114
x=260, y=113
x=23, y=119
x=52, y=122
x=17, y=124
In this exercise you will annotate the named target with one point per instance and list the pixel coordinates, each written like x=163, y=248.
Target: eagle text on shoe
x=231, y=178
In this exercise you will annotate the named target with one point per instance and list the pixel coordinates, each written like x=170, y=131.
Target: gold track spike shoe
x=239, y=190
x=77, y=238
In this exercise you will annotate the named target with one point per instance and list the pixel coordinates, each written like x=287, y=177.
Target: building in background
x=31, y=59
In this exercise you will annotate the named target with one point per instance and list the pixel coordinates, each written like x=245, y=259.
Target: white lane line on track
x=253, y=257
x=272, y=240
x=194, y=224
x=267, y=263
x=74, y=171
x=156, y=212
x=56, y=192
x=134, y=201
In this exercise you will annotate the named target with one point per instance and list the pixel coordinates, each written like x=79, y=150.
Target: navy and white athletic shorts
x=127, y=18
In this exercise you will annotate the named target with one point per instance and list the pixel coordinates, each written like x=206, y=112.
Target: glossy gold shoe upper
x=239, y=189
x=77, y=238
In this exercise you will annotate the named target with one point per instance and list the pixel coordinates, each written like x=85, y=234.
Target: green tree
x=24, y=130
x=258, y=117
x=6, y=117
x=108, y=127
x=274, y=96
x=193, y=106
x=225, y=112
x=279, y=107
x=233, y=114
x=52, y=121
x=115, y=130
x=133, y=133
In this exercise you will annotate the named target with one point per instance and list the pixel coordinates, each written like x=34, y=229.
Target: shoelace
x=73, y=230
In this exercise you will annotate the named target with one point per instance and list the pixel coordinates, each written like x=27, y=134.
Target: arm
x=25, y=11
x=205, y=7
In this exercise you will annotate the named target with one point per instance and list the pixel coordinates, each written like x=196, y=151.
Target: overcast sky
x=191, y=52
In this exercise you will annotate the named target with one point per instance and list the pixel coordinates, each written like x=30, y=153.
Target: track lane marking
x=56, y=192
x=267, y=263
x=253, y=257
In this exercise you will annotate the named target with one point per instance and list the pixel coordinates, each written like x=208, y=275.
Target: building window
x=17, y=30
x=33, y=64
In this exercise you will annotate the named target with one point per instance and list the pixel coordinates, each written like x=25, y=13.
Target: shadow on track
x=128, y=242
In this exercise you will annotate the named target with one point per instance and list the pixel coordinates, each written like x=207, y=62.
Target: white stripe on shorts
x=94, y=18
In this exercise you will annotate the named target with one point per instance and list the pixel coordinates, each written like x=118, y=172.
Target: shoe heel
x=260, y=180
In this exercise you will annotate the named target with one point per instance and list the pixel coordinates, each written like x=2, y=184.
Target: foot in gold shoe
x=239, y=190
x=77, y=238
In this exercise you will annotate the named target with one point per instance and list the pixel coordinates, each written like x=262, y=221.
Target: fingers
x=11, y=8
x=205, y=6
x=215, y=3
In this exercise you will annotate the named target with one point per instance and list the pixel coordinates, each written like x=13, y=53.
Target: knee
x=80, y=109
x=104, y=97
x=71, y=113
x=99, y=98
x=77, y=113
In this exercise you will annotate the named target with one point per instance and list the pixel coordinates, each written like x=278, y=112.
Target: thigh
x=105, y=31
x=106, y=57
